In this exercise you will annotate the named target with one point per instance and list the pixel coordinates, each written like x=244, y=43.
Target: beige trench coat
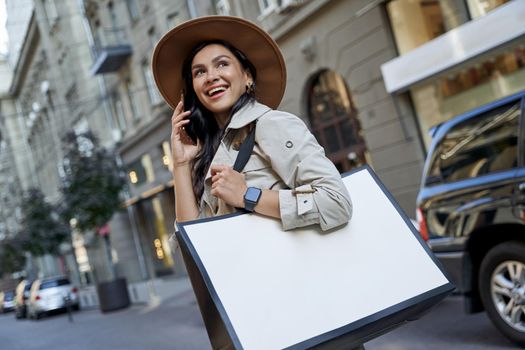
x=286, y=157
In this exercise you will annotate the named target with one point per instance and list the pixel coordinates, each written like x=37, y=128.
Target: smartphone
x=191, y=127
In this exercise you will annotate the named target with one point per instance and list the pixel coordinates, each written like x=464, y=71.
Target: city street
x=175, y=324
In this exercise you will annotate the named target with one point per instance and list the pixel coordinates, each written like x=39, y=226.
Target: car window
x=54, y=283
x=482, y=145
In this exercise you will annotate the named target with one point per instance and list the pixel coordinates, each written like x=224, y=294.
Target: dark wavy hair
x=203, y=126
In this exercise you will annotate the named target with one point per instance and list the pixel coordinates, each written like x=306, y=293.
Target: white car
x=51, y=294
x=7, y=301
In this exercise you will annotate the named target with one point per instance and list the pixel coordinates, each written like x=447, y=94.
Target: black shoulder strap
x=245, y=150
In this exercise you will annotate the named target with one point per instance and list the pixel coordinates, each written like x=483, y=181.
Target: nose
x=212, y=75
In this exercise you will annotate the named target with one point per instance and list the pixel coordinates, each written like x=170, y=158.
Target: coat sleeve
x=316, y=193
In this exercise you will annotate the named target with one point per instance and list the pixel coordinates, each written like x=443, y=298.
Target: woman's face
x=218, y=79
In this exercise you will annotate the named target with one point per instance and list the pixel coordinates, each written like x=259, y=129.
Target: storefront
x=479, y=56
x=151, y=204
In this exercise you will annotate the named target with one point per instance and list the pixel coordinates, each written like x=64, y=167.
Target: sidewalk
x=147, y=292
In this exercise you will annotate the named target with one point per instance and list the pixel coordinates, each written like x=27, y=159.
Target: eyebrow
x=215, y=59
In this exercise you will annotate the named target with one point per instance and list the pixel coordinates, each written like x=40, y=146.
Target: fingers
x=181, y=124
x=225, y=175
x=178, y=120
x=219, y=173
x=177, y=117
x=228, y=185
x=179, y=108
x=179, y=113
x=217, y=168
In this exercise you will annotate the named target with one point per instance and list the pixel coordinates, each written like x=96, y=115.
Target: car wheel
x=502, y=289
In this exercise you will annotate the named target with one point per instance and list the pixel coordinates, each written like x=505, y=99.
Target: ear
x=248, y=77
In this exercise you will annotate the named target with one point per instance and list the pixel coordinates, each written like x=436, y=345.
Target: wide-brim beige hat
x=262, y=51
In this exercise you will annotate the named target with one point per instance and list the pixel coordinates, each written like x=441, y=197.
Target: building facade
x=90, y=62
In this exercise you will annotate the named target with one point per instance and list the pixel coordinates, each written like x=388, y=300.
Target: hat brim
x=262, y=51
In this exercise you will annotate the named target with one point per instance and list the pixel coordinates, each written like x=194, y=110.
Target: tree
x=92, y=184
x=12, y=258
x=42, y=230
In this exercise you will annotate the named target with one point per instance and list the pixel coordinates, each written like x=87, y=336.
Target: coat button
x=289, y=144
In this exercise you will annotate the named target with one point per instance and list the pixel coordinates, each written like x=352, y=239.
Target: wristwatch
x=251, y=198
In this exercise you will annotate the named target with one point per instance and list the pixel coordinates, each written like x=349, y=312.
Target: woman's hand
x=228, y=185
x=182, y=148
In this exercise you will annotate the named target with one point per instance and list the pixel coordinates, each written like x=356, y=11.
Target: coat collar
x=247, y=114
x=243, y=117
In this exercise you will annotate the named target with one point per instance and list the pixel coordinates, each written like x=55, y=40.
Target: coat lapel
x=225, y=155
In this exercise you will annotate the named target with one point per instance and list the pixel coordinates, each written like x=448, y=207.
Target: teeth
x=217, y=89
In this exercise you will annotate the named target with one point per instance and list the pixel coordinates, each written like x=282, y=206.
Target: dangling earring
x=250, y=88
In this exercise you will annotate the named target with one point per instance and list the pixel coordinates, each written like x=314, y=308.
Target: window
x=112, y=15
x=120, y=114
x=267, y=6
x=334, y=121
x=132, y=99
x=479, y=8
x=478, y=146
x=116, y=35
x=99, y=35
x=222, y=7
x=415, y=22
x=132, y=9
x=153, y=93
x=54, y=283
x=141, y=170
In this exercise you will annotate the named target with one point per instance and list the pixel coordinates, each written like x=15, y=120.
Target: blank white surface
x=281, y=288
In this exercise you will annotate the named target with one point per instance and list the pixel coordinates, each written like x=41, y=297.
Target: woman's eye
x=198, y=72
x=222, y=64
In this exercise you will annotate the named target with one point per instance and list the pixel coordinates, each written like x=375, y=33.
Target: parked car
x=51, y=294
x=471, y=209
x=21, y=296
x=7, y=301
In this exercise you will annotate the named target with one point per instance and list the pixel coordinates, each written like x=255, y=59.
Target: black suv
x=471, y=209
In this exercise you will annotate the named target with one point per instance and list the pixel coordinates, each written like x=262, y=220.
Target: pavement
x=170, y=321
x=166, y=316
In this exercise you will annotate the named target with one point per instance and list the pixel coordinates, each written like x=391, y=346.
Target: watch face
x=252, y=194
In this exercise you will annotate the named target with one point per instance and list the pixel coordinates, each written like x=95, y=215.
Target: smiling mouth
x=216, y=91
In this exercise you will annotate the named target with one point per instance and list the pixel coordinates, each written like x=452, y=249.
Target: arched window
x=334, y=121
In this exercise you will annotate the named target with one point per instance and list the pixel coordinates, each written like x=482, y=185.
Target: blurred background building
x=368, y=77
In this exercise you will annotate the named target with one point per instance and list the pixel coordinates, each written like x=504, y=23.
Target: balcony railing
x=110, y=52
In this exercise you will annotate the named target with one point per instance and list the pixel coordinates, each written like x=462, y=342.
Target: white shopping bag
x=259, y=287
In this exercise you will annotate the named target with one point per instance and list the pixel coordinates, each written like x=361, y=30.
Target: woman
x=224, y=77
x=232, y=77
